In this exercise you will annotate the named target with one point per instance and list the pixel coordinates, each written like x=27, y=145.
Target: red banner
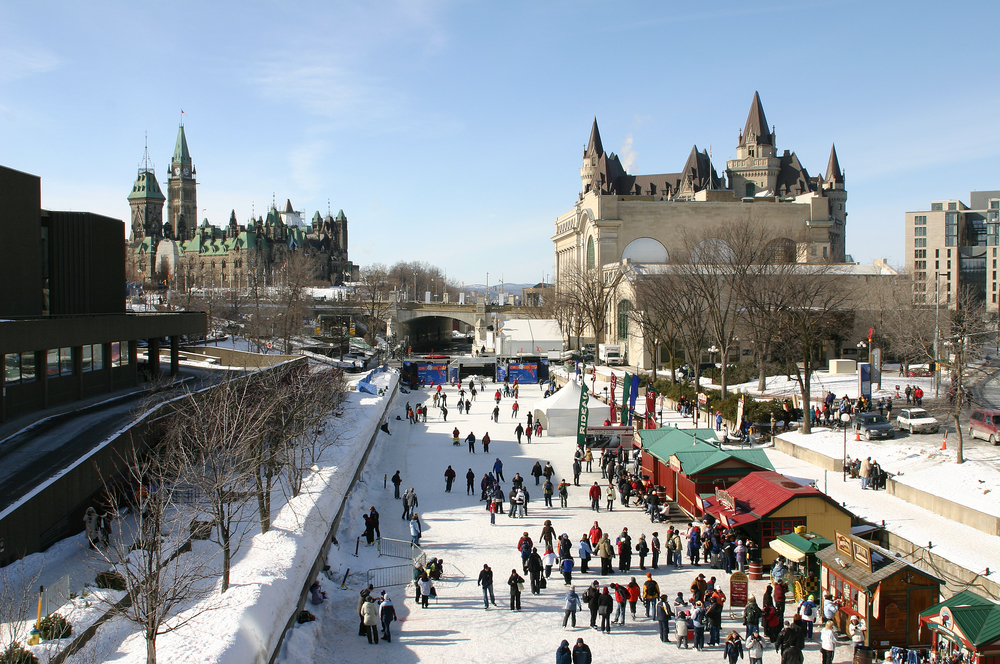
x=611, y=401
x=650, y=408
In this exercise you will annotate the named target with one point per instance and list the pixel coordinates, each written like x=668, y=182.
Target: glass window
x=98, y=355
x=65, y=361
x=920, y=230
x=920, y=242
x=12, y=368
x=952, y=206
x=920, y=220
x=116, y=354
x=27, y=367
x=85, y=359
x=52, y=362
x=936, y=207
x=125, y=357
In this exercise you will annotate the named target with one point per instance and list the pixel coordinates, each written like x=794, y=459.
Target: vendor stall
x=767, y=505
x=964, y=628
x=801, y=571
x=884, y=590
x=691, y=463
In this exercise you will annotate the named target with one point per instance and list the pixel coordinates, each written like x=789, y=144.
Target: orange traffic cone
x=944, y=443
x=857, y=435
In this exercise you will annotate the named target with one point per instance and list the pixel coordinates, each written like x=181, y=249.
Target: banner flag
x=581, y=428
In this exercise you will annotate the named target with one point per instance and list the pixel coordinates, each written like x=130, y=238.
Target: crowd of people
x=692, y=612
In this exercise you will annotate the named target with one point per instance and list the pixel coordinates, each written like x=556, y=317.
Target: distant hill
x=513, y=289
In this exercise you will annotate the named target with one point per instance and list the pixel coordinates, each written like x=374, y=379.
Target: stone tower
x=757, y=164
x=146, y=201
x=182, y=199
x=835, y=190
x=592, y=155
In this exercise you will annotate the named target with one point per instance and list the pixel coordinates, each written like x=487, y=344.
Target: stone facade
x=645, y=218
x=178, y=253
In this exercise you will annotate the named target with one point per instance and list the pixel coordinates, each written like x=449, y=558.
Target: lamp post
x=844, y=419
x=712, y=350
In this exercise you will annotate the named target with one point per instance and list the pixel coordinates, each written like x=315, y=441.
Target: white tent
x=558, y=414
x=529, y=336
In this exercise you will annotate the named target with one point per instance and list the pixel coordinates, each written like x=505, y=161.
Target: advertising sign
x=865, y=380
x=526, y=372
x=433, y=374
x=581, y=423
x=611, y=401
x=738, y=583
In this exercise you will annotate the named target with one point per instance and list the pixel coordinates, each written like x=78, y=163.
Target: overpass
x=429, y=321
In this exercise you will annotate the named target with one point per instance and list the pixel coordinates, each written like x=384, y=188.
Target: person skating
x=650, y=593
x=516, y=583
x=621, y=600
x=592, y=598
x=755, y=648
x=470, y=483
x=415, y=528
x=567, y=572
x=449, y=478
x=571, y=603
x=359, y=609
x=525, y=545
x=498, y=469
x=752, y=615
x=387, y=615
x=595, y=497
x=654, y=548
x=533, y=568
x=486, y=443
x=577, y=469
x=634, y=594
x=604, y=606
x=471, y=440
x=563, y=493
x=563, y=654
x=496, y=413
x=642, y=550
x=681, y=629
x=426, y=587
x=369, y=613
x=548, y=534
x=698, y=619
x=396, y=481
x=519, y=431
x=455, y=435
x=734, y=647
x=606, y=552
x=663, y=614
x=581, y=652
x=486, y=582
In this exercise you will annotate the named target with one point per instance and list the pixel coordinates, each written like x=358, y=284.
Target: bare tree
x=373, y=296
x=152, y=560
x=322, y=395
x=18, y=596
x=817, y=306
x=965, y=329
x=591, y=292
x=215, y=432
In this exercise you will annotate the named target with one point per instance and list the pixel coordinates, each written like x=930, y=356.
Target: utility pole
x=937, y=303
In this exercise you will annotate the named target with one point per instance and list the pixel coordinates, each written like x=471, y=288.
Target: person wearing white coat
x=369, y=612
x=827, y=642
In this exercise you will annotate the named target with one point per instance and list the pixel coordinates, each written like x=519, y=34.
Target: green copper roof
x=341, y=216
x=146, y=187
x=181, y=154
x=977, y=617
x=317, y=219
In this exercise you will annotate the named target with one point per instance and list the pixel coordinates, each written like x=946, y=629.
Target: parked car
x=916, y=420
x=873, y=425
x=985, y=423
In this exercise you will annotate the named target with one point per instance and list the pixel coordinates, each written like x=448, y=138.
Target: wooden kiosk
x=965, y=626
x=886, y=591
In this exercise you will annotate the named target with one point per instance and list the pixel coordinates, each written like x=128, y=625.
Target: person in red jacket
x=595, y=498
x=595, y=534
x=449, y=478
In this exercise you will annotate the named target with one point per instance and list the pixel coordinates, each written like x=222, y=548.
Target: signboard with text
x=738, y=584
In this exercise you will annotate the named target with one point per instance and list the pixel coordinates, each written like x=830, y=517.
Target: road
x=34, y=455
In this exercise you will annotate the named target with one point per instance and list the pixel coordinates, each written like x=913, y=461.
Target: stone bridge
x=432, y=321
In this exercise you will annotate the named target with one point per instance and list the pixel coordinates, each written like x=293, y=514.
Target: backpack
x=563, y=490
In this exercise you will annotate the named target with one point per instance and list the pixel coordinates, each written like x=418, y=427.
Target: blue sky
x=452, y=132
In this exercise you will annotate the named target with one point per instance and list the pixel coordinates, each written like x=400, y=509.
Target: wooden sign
x=862, y=555
x=725, y=499
x=844, y=544
x=738, y=583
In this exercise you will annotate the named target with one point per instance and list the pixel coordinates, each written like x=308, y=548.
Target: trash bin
x=863, y=655
x=756, y=572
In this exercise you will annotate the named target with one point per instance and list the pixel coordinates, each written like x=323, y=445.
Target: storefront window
x=772, y=528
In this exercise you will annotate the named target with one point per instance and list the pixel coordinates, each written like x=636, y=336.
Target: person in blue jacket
x=563, y=654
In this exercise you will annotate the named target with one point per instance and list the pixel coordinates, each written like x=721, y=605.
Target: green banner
x=626, y=390
x=581, y=428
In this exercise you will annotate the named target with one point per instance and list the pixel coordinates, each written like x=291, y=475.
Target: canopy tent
x=796, y=546
x=558, y=414
x=531, y=336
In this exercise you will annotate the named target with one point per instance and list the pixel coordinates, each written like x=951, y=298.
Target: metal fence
x=395, y=548
x=397, y=575
x=56, y=594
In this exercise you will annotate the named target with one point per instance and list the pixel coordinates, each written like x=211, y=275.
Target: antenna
x=145, y=166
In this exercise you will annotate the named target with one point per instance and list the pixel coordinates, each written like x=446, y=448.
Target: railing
x=395, y=548
x=397, y=575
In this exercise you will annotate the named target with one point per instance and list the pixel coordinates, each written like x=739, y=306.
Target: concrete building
x=183, y=254
x=953, y=247
x=644, y=218
x=64, y=331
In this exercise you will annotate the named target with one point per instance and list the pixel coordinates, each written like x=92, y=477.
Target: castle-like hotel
x=180, y=251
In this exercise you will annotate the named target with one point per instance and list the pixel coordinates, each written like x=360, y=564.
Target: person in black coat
x=535, y=567
x=606, y=605
x=581, y=653
x=515, y=582
x=592, y=598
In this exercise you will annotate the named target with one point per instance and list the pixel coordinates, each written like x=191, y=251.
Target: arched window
x=591, y=259
x=624, y=310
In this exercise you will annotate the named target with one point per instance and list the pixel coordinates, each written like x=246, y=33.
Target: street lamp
x=712, y=351
x=844, y=419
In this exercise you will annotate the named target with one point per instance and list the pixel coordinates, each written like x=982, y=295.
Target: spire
x=833, y=172
x=146, y=166
x=756, y=126
x=288, y=205
x=594, y=144
x=181, y=154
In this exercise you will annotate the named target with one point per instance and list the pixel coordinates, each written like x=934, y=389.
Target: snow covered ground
x=456, y=628
x=267, y=575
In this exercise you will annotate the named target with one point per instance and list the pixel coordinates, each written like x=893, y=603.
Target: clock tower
x=182, y=199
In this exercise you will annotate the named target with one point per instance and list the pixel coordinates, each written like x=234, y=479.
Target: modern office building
x=64, y=332
x=952, y=247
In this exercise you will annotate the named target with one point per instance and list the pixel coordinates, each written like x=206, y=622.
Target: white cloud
x=21, y=62
x=627, y=154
